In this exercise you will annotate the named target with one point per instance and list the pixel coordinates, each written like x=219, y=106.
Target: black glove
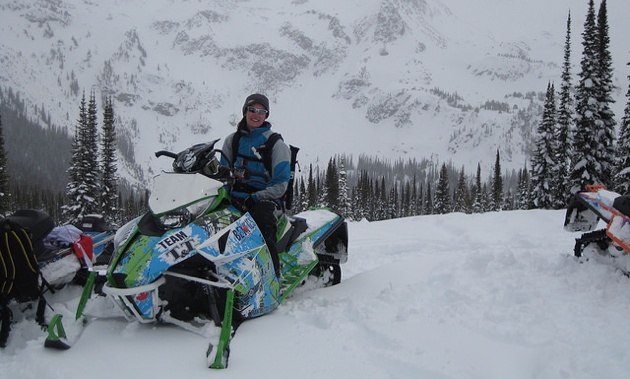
x=248, y=204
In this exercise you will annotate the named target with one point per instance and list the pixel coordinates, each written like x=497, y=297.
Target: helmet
x=195, y=158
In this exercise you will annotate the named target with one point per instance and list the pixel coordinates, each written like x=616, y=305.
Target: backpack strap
x=265, y=150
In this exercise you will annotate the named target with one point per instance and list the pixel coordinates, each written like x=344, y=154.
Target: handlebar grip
x=166, y=153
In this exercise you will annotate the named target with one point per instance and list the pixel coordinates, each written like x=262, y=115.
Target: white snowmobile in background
x=610, y=242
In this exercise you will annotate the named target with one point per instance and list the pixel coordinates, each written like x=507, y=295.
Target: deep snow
x=495, y=295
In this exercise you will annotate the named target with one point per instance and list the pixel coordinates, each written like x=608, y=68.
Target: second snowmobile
x=608, y=242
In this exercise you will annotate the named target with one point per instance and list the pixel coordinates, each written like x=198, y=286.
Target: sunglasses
x=256, y=110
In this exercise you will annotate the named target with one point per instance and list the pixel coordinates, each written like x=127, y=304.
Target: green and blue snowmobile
x=195, y=261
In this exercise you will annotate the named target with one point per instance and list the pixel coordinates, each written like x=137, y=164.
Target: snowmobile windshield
x=173, y=191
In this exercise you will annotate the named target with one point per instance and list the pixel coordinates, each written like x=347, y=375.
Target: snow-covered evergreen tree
x=544, y=160
x=392, y=204
x=331, y=184
x=109, y=187
x=461, y=197
x=311, y=189
x=606, y=87
x=300, y=203
x=429, y=202
x=593, y=137
x=563, y=130
x=344, y=206
x=496, y=197
x=413, y=205
x=477, y=201
x=82, y=190
x=607, y=123
x=523, y=197
x=72, y=210
x=622, y=178
x=442, y=204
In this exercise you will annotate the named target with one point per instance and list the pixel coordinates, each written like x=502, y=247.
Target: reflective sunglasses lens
x=256, y=110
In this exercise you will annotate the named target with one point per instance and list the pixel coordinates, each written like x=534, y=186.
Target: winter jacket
x=249, y=156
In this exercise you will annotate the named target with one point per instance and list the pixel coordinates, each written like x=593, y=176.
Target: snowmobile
x=609, y=244
x=37, y=258
x=196, y=261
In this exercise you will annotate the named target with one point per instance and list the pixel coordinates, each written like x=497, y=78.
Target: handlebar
x=167, y=153
x=241, y=174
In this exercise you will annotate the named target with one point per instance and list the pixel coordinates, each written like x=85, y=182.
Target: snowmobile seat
x=93, y=223
x=622, y=204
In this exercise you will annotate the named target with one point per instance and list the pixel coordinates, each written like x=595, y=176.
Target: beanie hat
x=256, y=98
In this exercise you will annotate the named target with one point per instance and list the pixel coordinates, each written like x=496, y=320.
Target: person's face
x=255, y=115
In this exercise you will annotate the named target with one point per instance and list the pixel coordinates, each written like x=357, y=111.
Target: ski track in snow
x=496, y=295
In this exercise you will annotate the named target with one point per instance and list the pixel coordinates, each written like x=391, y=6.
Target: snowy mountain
x=495, y=295
x=446, y=80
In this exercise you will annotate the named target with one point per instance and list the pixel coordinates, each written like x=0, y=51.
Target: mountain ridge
x=445, y=80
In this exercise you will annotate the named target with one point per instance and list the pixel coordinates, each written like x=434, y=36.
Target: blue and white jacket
x=250, y=156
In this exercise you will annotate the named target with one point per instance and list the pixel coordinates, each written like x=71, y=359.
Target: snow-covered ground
x=495, y=295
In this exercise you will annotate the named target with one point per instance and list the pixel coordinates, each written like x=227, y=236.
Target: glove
x=248, y=204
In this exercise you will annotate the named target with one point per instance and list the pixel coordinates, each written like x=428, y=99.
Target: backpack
x=287, y=197
x=19, y=274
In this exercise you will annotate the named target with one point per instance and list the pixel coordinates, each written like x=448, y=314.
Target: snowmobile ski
x=58, y=337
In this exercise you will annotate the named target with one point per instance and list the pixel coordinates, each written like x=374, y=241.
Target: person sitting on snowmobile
x=262, y=172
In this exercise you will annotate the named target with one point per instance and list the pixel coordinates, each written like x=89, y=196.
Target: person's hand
x=248, y=203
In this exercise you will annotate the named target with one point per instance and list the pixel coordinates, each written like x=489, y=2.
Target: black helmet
x=195, y=158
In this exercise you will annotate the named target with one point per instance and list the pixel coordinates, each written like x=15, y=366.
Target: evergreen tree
x=442, y=203
x=420, y=200
x=392, y=204
x=461, y=200
x=497, y=185
x=563, y=129
x=345, y=208
x=429, y=202
x=405, y=200
x=589, y=147
x=543, y=161
x=485, y=199
x=331, y=184
x=478, y=202
x=311, y=189
x=5, y=194
x=622, y=178
x=73, y=209
x=523, y=197
x=109, y=190
x=413, y=204
x=607, y=124
x=302, y=203
x=82, y=189
x=90, y=166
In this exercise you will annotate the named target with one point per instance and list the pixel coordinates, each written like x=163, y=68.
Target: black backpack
x=287, y=198
x=19, y=274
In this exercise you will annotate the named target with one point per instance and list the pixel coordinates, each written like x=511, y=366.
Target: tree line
x=92, y=183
